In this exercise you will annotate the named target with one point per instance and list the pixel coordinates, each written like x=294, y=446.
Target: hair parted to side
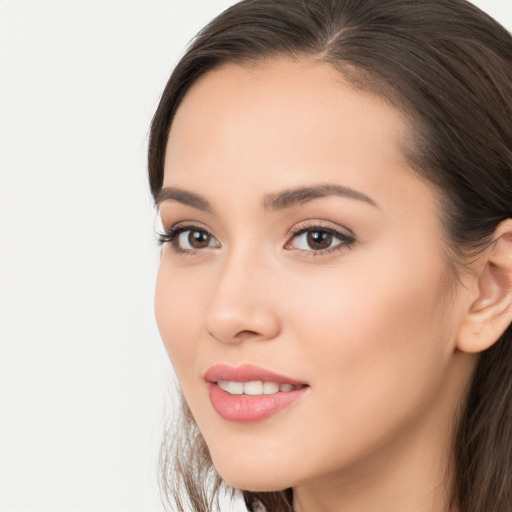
x=447, y=67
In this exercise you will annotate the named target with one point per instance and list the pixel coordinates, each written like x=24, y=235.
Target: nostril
x=246, y=333
x=239, y=336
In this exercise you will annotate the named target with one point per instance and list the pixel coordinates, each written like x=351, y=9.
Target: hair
x=447, y=67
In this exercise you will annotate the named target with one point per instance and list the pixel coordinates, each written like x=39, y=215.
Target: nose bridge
x=240, y=306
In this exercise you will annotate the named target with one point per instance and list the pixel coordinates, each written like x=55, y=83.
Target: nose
x=242, y=307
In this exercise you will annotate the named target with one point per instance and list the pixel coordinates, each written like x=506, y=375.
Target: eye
x=319, y=239
x=188, y=239
x=193, y=239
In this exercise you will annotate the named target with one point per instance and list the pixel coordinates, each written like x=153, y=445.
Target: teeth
x=269, y=388
x=233, y=388
x=255, y=387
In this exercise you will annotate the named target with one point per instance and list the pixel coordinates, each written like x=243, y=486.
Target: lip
x=245, y=373
x=249, y=408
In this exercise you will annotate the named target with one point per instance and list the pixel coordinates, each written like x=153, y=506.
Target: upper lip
x=247, y=373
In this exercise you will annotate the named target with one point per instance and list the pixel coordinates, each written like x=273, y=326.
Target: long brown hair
x=447, y=67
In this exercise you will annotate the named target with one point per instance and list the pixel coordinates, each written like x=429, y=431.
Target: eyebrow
x=271, y=202
x=298, y=196
x=183, y=197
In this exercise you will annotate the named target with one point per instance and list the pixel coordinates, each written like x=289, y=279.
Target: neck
x=407, y=481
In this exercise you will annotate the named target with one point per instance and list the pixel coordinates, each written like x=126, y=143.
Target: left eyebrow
x=298, y=196
x=184, y=197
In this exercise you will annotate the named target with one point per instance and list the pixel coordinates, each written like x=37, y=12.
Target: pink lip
x=247, y=408
x=245, y=373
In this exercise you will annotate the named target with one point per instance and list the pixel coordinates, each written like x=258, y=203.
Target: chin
x=245, y=484
x=250, y=477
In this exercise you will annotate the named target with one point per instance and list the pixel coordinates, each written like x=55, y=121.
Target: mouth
x=247, y=393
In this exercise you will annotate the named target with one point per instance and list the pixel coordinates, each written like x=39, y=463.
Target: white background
x=83, y=376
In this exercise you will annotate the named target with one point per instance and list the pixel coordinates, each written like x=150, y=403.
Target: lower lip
x=249, y=408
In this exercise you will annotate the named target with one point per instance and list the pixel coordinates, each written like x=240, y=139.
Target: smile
x=247, y=393
x=255, y=387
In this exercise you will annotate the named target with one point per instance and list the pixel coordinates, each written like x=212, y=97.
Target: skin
x=370, y=326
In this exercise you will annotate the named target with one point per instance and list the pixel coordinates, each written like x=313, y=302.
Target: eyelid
x=320, y=225
x=184, y=225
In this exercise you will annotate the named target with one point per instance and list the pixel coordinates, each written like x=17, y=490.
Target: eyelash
x=169, y=236
x=345, y=241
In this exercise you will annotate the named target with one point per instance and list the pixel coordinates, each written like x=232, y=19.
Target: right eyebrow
x=299, y=196
x=184, y=197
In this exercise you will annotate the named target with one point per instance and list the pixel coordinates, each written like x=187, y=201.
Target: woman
x=334, y=180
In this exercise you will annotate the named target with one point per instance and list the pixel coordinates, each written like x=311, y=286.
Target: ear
x=490, y=301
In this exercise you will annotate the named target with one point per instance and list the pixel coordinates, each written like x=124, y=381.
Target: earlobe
x=490, y=310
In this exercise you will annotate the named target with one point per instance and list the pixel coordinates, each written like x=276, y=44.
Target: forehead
x=281, y=119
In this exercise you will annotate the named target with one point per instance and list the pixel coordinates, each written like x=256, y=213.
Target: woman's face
x=302, y=255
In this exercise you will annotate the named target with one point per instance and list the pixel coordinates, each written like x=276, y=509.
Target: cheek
x=366, y=304
x=178, y=315
x=378, y=334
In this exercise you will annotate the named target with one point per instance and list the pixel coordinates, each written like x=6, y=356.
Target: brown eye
x=193, y=239
x=199, y=239
x=318, y=240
